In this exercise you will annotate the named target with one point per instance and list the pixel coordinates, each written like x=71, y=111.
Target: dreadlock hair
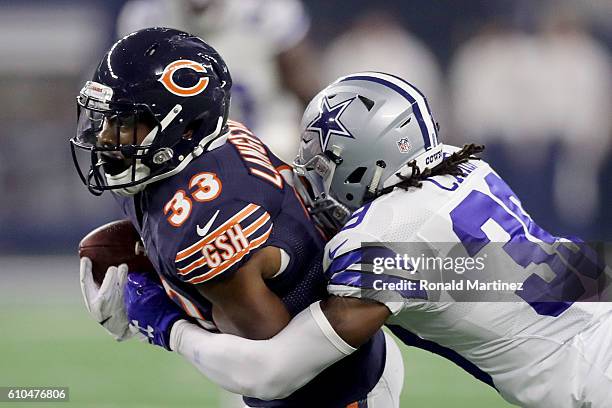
x=449, y=166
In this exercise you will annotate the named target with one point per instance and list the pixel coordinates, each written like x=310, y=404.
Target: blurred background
x=530, y=79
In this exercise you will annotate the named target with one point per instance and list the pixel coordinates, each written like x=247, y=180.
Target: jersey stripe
x=231, y=262
x=248, y=231
x=367, y=281
x=257, y=224
x=185, y=303
x=241, y=215
x=365, y=255
x=232, y=124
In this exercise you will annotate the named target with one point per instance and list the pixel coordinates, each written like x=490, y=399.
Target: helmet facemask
x=313, y=181
x=110, y=132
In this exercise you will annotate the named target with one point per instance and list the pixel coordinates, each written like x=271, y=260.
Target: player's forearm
x=354, y=320
x=268, y=369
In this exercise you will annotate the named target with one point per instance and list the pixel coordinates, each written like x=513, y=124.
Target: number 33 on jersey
x=203, y=187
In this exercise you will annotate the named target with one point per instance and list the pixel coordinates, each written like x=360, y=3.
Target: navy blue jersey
x=208, y=220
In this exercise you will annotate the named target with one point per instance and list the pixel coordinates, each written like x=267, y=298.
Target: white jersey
x=536, y=354
x=249, y=35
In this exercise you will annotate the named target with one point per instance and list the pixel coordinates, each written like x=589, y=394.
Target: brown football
x=113, y=244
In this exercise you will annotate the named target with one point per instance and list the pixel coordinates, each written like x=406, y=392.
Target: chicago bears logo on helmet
x=167, y=78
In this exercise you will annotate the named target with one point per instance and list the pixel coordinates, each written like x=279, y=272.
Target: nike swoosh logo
x=203, y=231
x=105, y=320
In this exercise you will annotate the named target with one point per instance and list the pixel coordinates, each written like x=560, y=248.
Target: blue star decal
x=328, y=121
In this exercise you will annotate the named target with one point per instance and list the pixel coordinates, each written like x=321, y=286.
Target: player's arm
x=228, y=262
x=315, y=339
x=267, y=369
x=318, y=337
x=275, y=368
x=354, y=320
x=243, y=304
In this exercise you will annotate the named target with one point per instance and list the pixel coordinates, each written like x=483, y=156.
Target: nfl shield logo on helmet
x=403, y=145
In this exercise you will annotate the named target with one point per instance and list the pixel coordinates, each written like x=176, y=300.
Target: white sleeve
x=267, y=369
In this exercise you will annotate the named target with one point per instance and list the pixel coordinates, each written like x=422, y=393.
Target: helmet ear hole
x=404, y=123
x=349, y=197
x=356, y=176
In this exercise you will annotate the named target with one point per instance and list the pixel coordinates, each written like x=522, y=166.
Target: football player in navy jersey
x=229, y=238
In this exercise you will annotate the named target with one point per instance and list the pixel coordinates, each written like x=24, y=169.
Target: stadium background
x=530, y=79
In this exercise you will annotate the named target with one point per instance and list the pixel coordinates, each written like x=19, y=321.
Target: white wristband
x=329, y=331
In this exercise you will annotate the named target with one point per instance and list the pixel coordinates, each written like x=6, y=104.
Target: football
x=113, y=244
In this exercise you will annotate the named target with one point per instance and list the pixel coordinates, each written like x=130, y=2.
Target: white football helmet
x=358, y=134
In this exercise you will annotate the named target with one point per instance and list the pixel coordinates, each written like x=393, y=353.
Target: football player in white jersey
x=264, y=42
x=370, y=164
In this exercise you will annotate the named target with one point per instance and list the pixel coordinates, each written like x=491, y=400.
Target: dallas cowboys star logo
x=328, y=121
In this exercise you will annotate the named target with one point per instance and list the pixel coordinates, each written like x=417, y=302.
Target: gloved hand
x=150, y=310
x=106, y=303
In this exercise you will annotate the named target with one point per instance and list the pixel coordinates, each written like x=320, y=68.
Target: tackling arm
x=277, y=367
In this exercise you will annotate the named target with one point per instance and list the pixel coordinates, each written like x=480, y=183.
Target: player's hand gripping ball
x=114, y=244
x=107, y=254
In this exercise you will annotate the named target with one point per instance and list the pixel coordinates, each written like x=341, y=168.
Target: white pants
x=386, y=393
x=576, y=375
x=596, y=365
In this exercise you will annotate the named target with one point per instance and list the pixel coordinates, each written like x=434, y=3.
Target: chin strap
x=141, y=172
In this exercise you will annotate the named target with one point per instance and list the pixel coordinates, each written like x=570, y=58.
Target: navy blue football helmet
x=163, y=95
